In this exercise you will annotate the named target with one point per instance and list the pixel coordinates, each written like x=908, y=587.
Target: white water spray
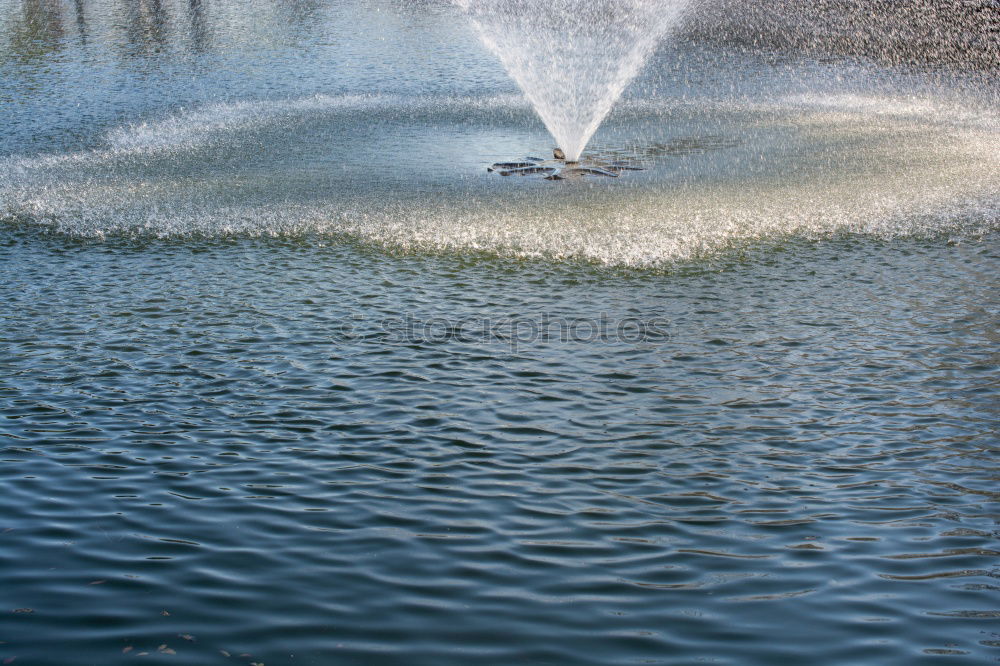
x=573, y=58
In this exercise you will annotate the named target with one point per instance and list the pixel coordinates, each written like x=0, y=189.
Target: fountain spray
x=573, y=58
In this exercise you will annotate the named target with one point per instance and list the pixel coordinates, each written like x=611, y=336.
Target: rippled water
x=287, y=378
x=242, y=443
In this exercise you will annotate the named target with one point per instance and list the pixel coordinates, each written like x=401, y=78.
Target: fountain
x=572, y=58
x=378, y=141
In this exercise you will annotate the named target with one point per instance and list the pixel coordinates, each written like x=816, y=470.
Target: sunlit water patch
x=410, y=173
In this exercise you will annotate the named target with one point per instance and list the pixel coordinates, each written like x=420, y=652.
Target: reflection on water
x=81, y=20
x=199, y=26
x=146, y=26
x=36, y=29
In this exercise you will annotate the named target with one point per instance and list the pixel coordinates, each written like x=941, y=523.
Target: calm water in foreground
x=287, y=378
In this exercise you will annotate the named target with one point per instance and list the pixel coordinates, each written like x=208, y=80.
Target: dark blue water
x=261, y=402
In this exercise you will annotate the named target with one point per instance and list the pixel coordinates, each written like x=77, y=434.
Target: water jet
x=572, y=59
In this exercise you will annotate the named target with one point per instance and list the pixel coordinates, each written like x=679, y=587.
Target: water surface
x=287, y=377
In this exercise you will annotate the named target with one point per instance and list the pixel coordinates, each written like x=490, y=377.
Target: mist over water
x=573, y=58
x=719, y=175
x=192, y=133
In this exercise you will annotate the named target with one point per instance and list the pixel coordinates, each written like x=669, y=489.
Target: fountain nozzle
x=560, y=155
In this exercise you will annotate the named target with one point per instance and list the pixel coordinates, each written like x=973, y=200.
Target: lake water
x=287, y=377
